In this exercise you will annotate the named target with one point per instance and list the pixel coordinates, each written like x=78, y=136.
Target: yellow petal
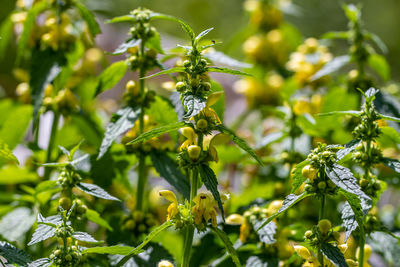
x=213, y=98
x=302, y=251
x=235, y=219
x=168, y=195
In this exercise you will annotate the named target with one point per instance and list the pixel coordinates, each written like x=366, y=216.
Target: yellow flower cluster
x=205, y=208
x=308, y=106
x=65, y=101
x=309, y=58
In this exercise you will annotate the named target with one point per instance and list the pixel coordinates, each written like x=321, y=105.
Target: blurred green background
x=228, y=17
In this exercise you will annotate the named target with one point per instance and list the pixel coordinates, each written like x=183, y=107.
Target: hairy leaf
x=113, y=250
x=168, y=169
x=45, y=231
x=340, y=112
x=240, y=142
x=157, y=132
x=94, y=216
x=392, y=163
x=228, y=245
x=389, y=118
x=220, y=58
x=43, y=262
x=13, y=254
x=168, y=71
x=96, y=191
x=16, y=223
x=210, y=181
x=331, y=67
x=193, y=105
x=333, y=254
x=122, y=48
x=349, y=147
x=266, y=233
x=111, y=76
x=85, y=237
x=387, y=246
x=88, y=16
x=226, y=70
x=202, y=34
x=120, y=122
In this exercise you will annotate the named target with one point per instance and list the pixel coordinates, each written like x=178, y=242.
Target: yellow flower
x=173, y=207
x=235, y=219
x=191, y=137
x=204, y=208
x=209, y=112
x=218, y=139
x=165, y=263
x=311, y=261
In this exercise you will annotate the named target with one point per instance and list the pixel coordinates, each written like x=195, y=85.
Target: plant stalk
x=50, y=146
x=142, y=174
x=190, y=229
x=320, y=217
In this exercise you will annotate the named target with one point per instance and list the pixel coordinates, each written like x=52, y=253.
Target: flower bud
x=324, y=226
x=194, y=152
x=132, y=88
x=65, y=203
x=235, y=219
x=202, y=124
x=165, y=263
x=309, y=172
x=321, y=185
x=308, y=234
x=180, y=86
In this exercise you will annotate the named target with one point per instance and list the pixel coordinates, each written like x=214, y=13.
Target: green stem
x=190, y=228
x=320, y=217
x=361, y=256
x=142, y=174
x=50, y=146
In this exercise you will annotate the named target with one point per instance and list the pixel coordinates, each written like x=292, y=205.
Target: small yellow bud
x=309, y=172
x=165, y=263
x=324, y=226
x=235, y=219
x=202, y=124
x=303, y=252
x=132, y=88
x=194, y=152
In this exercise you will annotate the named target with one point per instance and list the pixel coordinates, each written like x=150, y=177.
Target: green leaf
x=333, y=254
x=120, y=122
x=89, y=18
x=45, y=230
x=155, y=43
x=240, y=142
x=389, y=133
x=266, y=233
x=193, y=105
x=6, y=153
x=270, y=139
x=331, y=67
x=13, y=254
x=297, y=176
x=85, y=237
x=45, y=186
x=349, y=147
x=335, y=35
x=6, y=31
x=125, y=18
x=202, y=34
x=352, y=12
x=344, y=179
x=96, y=191
x=122, y=48
x=113, y=250
x=228, y=244
x=14, y=126
x=379, y=64
x=392, y=163
x=12, y=174
x=111, y=76
x=15, y=224
x=219, y=106
x=389, y=118
x=29, y=23
x=157, y=132
x=378, y=41
x=43, y=262
x=94, y=216
x=218, y=57
x=168, y=169
x=151, y=256
x=211, y=182
x=342, y=112
x=146, y=240
x=45, y=67
x=288, y=202
x=168, y=71
x=226, y=70
x=262, y=260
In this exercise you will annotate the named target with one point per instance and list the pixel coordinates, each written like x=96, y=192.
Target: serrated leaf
x=342, y=112
x=266, y=233
x=13, y=254
x=202, y=34
x=288, y=202
x=228, y=245
x=392, y=163
x=46, y=65
x=89, y=18
x=121, y=121
x=344, y=179
x=157, y=132
x=29, y=23
x=168, y=169
x=226, y=70
x=146, y=240
x=193, y=105
x=94, y=216
x=389, y=118
x=111, y=76
x=45, y=230
x=96, y=191
x=349, y=147
x=379, y=64
x=16, y=223
x=261, y=261
x=297, y=176
x=333, y=254
x=168, y=71
x=178, y=106
x=349, y=220
x=240, y=142
x=220, y=58
x=113, y=250
x=122, y=48
x=85, y=237
x=331, y=67
x=43, y=262
x=209, y=179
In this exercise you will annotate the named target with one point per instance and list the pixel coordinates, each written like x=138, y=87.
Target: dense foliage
x=158, y=178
